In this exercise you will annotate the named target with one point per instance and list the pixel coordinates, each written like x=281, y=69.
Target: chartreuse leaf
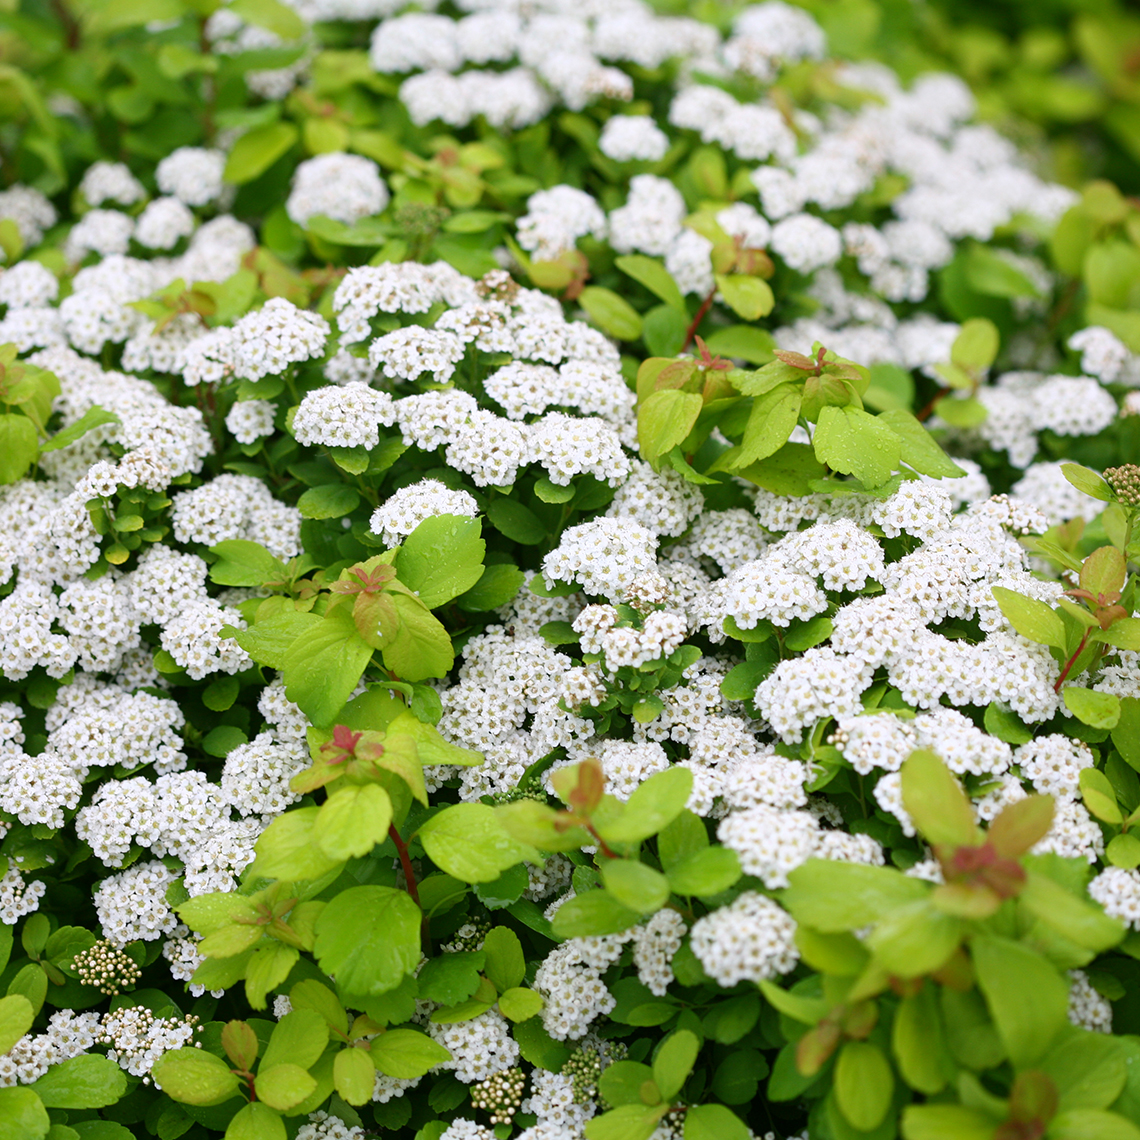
x=86, y=1081
x=612, y=314
x=853, y=442
x=285, y=849
x=1091, y=1124
x=255, y=1121
x=354, y=1075
x=519, y=1004
x=311, y=994
x=1100, y=796
x=16, y=1017
x=935, y=801
x=915, y=939
x=352, y=821
x=622, y=1082
x=283, y=1086
x=22, y=1115
x=369, y=938
x=448, y=979
x=832, y=896
x=257, y=150
x=593, y=913
x=919, y=450
x=918, y=1042
x=1087, y=481
x=406, y=1054
x=19, y=446
x=1027, y=996
x=652, y=807
x=505, y=965
x=864, y=1084
x=635, y=885
x=773, y=417
x=1068, y=914
x=421, y=647
x=469, y=842
x=92, y=418
x=1031, y=618
x=651, y=273
x=627, y=1122
x=714, y=1122
x=674, y=1062
x=1096, y=709
x=748, y=297
x=267, y=969
x=323, y=666
x=244, y=563
x=299, y=1037
x=1089, y=1070
x=441, y=558
x=240, y=1043
x=946, y=1122
x=664, y=419
x=194, y=1076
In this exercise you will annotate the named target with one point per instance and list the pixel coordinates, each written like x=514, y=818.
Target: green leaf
x=1078, y=920
x=329, y=501
x=94, y=417
x=1098, y=710
x=299, y=1037
x=742, y=342
x=1006, y=725
x=515, y=521
x=1124, y=633
x=451, y=978
x=853, y=442
x=833, y=896
x=1091, y=1124
x=442, y=558
x=1089, y=1070
x=685, y=836
x=194, y=1076
x=369, y=938
x=322, y=667
x=255, y=1121
x=421, y=647
x=221, y=741
x=651, y=273
x=1087, y=481
x=285, y=849
x=946, y=1122
x=919, y=450
x=714, y=1122
x=86, y=1081
x=864, y=1084
x=737, y=1077
x=352, y=821
x=706, y=872
x=22, y=1115
x=271, y=14
x=917, y=1041
x=653, y=806
x=311, y=994
x=257, y=150
x=915, y=939
x=674, y=1062
x=773, y=418
x=635, y=885
x=1099, y=796
x=664, y=420
x=935, y=801
x=518, y=1004
x=505, y=965
x=468, y=842
x=406, y=1054
x=267, y=969
x=976, y=346
x=1124, y=851
x=748, y=297
x=354, y=1075
x=268, y=642
x=1027, y=997
x=622, y=1081
x=627, y=1122
x=19, y=446
x=962, y=411
x=244, y=563
x=612, y=314
x=1032, y=619
x=498, y=585
x=16, y=1017
x=593, y=913
x=284, y=1086
x=1126, y=733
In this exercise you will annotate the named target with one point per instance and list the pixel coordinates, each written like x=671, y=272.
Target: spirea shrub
x=567, y=574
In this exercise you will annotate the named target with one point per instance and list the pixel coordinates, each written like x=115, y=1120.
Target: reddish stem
x=405, y=862
x=926, y=412
x=691, y=331
x=1069, y=664
x=602, y=844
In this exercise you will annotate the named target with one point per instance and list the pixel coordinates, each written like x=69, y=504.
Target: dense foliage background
x=569, y=570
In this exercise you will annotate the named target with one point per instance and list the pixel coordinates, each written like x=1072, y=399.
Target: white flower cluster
x=344, y=187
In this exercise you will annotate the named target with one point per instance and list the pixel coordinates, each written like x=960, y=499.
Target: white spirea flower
x=404, y=510
x=278, y=334
x=26, y=285
x=633, y=138
x=192, y=174
x=250, y=420
x=604, y=557
x=344, y=187
x=110, y=182
x=806, y=242
x=556, y=218
x=343, y=417
x=752, y=939
x=408, y=353
x=163, y=223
